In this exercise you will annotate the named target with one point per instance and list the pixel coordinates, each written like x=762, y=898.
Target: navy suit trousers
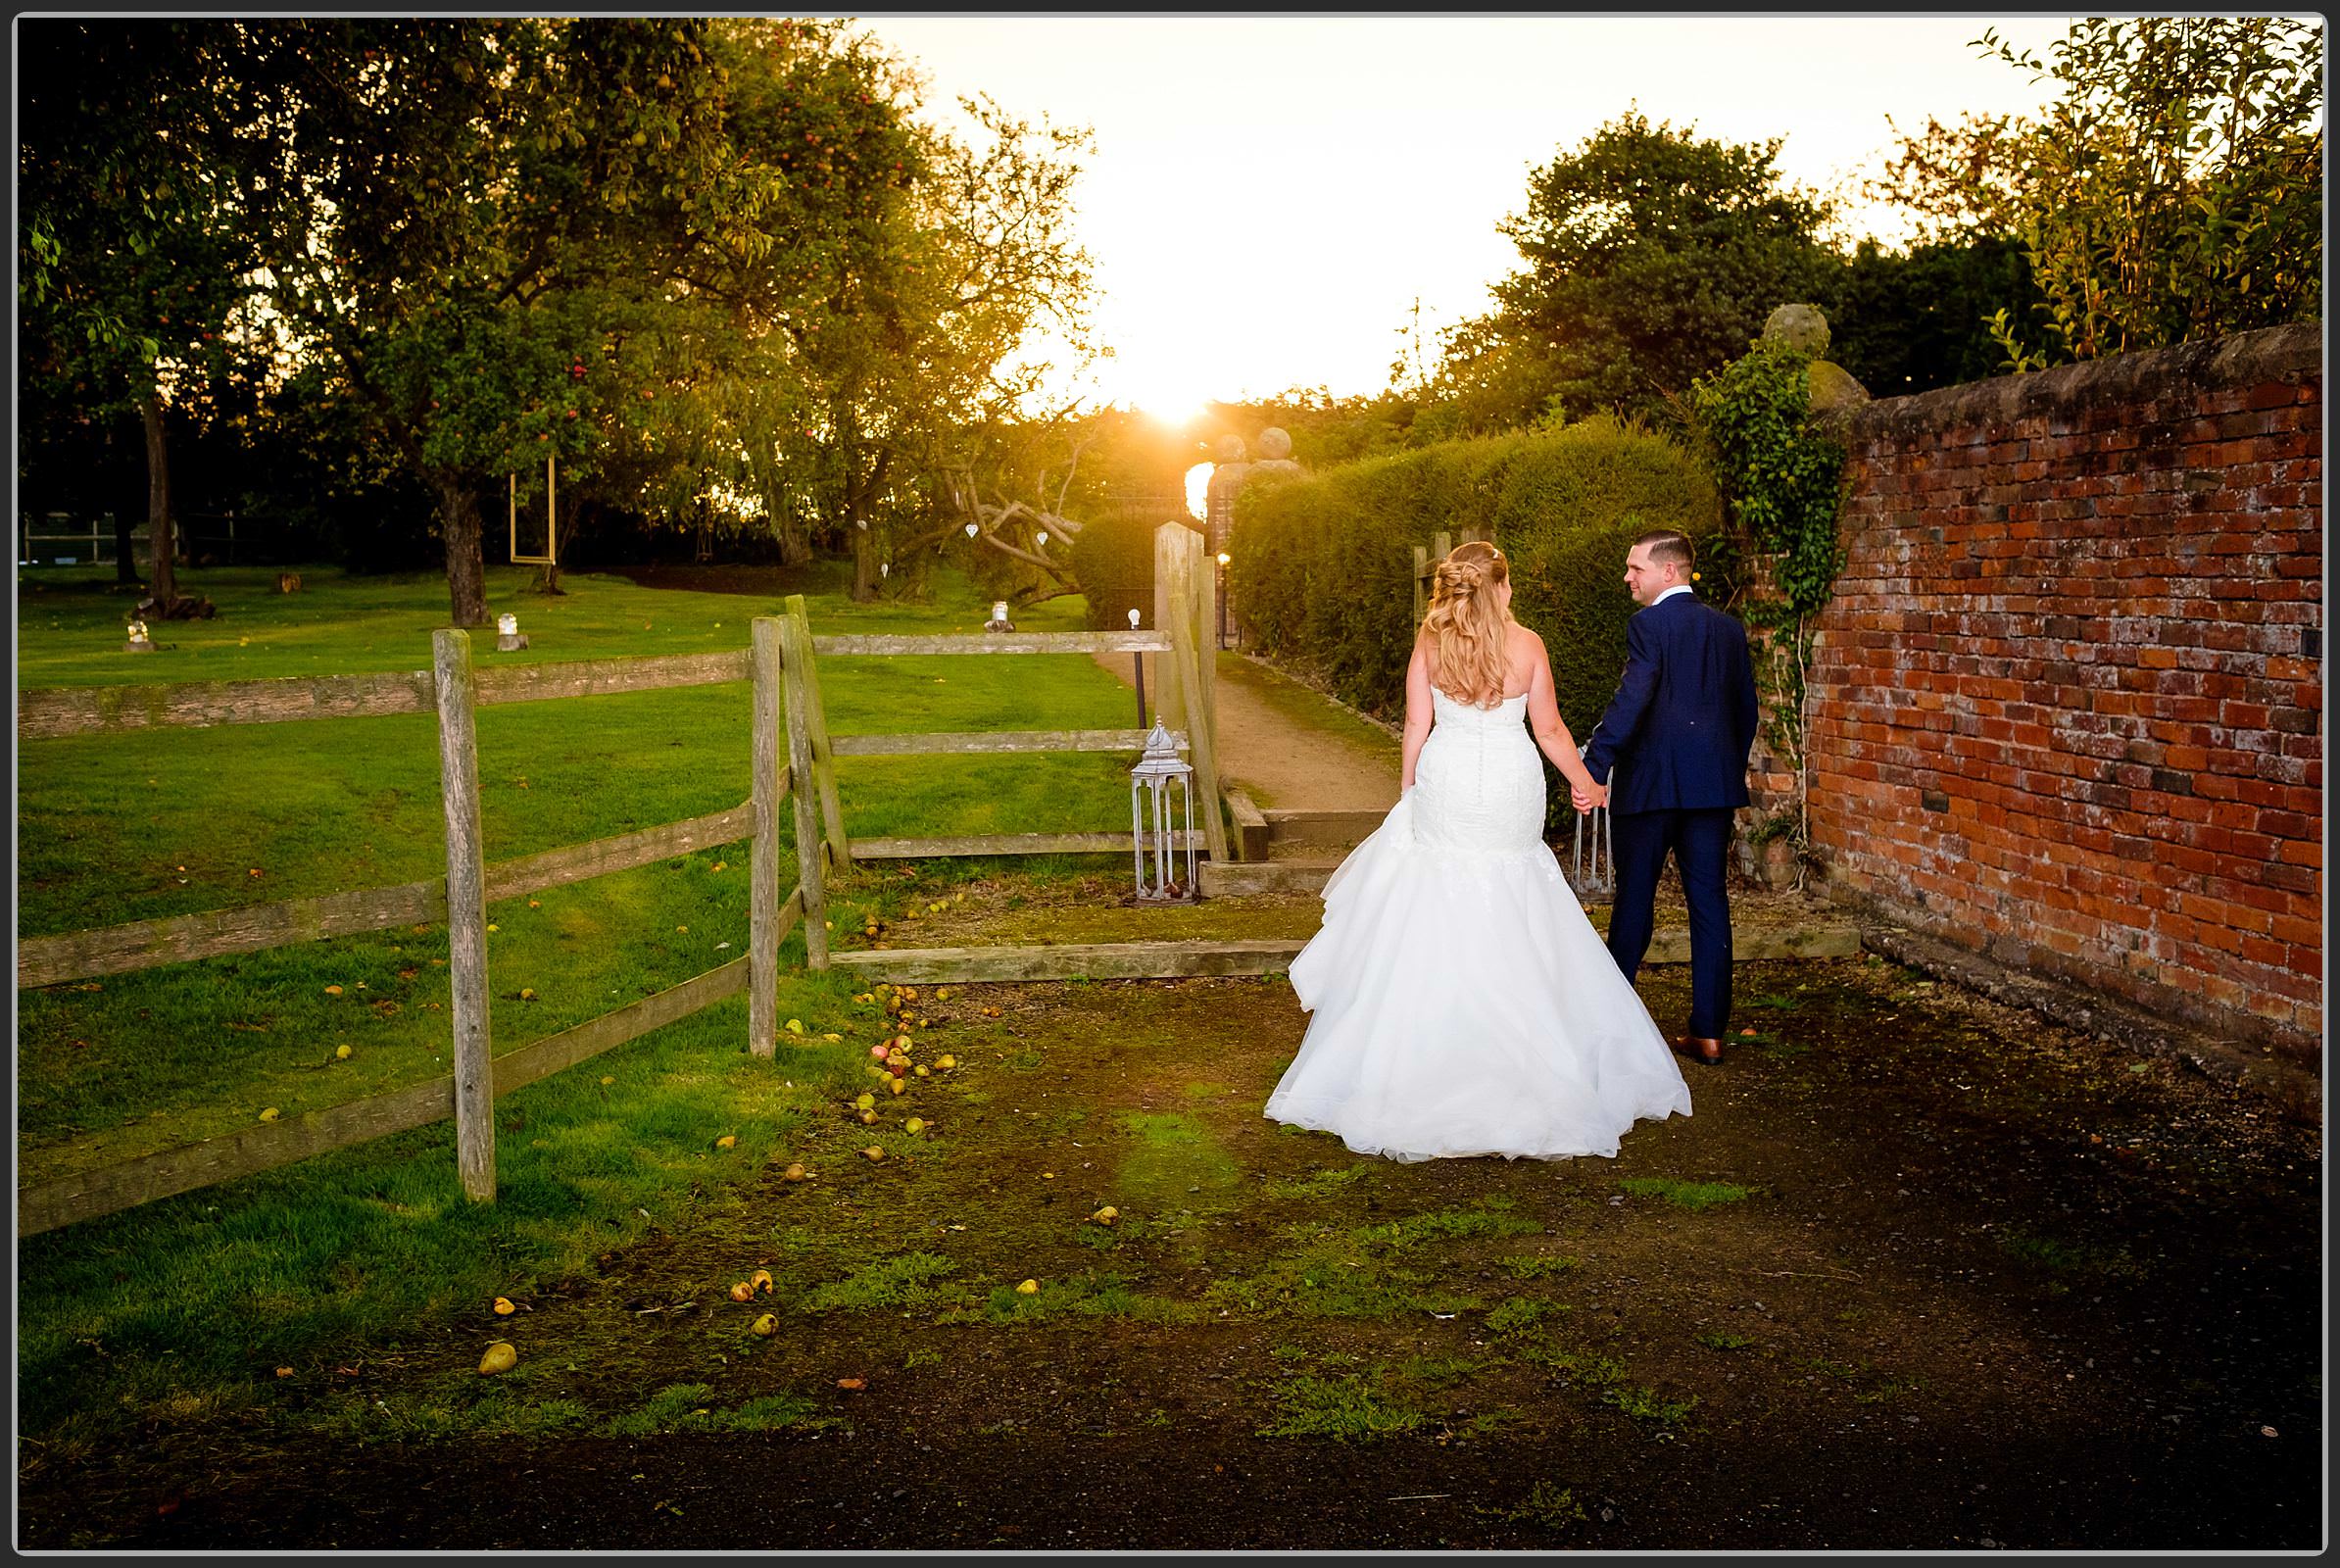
x=1700, y=844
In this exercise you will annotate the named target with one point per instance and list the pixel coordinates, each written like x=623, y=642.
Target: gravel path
x=1289, y=747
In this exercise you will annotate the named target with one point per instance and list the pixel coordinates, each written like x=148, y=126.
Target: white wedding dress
x=1463, y=1003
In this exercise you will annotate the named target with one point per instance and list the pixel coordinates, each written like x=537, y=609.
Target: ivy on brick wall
x=1781, y=475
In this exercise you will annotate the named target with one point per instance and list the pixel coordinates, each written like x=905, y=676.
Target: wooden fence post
x=763, y=898
x=824, y=761
x=467, y=916
x=1169, y=695
x=795, y=662
x=1182, y=587
x=1421, y=579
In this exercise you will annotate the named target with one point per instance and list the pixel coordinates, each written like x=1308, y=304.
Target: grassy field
x=129, y=827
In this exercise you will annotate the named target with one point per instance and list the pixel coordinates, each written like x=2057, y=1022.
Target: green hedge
x=1113, y=558
x=1322, y=563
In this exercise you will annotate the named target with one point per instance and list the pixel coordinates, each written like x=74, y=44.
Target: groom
x=1680, y=728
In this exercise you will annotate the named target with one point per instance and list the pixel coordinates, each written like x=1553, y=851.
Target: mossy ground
x=1918, y=1273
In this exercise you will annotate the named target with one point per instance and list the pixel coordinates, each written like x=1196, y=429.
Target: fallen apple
x=864, y=1102
x=761, y=1279
x=341, y=1053
x=897, y=1086
x=765, y=1325
x=874, y=1152
x=915, y=1124
x=742, y=1291
x=500, y=1357
x=504, y=1307
x=726, y=1140
x=870, y=1118
x=795, y=1173
x=1027, y=1287
x=946, y=1062
x=1106, y=1215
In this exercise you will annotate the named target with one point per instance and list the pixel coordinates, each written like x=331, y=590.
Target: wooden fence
x=1426, y=563
x=780, y=666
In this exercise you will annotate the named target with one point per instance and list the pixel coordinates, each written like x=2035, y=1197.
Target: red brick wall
x=2067, y=703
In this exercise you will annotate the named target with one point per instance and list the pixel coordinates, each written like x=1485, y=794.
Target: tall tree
x=1652, y=257
x=132, y=273
x=2172, y=192
x=428, y=194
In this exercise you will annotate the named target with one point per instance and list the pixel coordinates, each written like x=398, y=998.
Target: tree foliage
x=1652, y=256
x=2171, y=192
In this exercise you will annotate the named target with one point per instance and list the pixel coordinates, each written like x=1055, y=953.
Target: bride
x=1463, y=1003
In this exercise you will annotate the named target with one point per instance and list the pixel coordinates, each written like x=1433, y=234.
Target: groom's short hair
x=1669, y=546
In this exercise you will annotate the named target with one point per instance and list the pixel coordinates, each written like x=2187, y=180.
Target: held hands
x=1586, y=798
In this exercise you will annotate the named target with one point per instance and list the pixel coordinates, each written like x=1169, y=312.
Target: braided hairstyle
x=1469, y=624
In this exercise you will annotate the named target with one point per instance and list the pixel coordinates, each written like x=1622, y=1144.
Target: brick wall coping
x=2244, y=359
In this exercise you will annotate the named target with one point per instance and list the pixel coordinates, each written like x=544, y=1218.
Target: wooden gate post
x=763, y=863
x=795, y=662
x=1169, y=697
x=824, y=761
x=466, y=916
x=1182, y=595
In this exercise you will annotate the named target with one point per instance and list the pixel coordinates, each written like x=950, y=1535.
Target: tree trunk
x=459, y=525
x=548, y=581
x=165, y=577
x=866, y=565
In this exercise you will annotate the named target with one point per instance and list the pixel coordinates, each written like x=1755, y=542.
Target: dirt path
x=1920, y=1273
x=1286, y=746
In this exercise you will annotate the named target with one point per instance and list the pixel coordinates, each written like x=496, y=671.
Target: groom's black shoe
x=1700, y=1048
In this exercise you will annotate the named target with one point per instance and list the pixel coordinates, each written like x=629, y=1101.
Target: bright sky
x=1271, y=194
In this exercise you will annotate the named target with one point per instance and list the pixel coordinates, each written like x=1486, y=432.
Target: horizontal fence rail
x=178, y=939
x=86, y=1194
x=1003, y=642
x=1030, y=740
x=48, y=713
x=57, y=710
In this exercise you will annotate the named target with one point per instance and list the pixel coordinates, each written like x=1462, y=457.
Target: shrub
x=1322, y=562
x=1113, y=557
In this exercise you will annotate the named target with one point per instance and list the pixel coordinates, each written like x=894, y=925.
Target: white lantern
x=1155, y=828
x=138, y=642
x=509, y=636
x=508, y=623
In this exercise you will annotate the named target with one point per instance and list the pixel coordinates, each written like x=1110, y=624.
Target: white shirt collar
x=1677, y=588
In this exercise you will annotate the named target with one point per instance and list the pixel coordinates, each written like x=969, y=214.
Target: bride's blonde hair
x=1470, y=623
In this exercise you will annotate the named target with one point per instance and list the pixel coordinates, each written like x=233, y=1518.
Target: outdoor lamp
x=508, y=635
x=1224, y=558
x=138, y=643
x=1133, y=621
x=1153, y=829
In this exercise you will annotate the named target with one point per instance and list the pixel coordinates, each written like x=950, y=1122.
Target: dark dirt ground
x=1990, y=1284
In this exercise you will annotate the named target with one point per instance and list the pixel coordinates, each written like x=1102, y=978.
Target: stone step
x=1074, y=960
x=1338, y=830
x=1295, y=875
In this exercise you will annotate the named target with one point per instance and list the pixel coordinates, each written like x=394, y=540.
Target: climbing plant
x=1781, y=475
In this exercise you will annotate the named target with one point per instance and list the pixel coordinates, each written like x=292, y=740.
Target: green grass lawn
x=134, y=826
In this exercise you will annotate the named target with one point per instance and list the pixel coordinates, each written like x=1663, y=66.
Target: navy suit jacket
x=1682, y=721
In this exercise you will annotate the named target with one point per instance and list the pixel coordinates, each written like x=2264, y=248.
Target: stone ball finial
x=1274, y=444
x=1228, y=448
x=1801, y=328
